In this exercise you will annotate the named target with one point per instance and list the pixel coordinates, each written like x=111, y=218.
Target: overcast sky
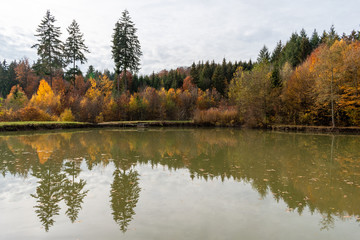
x=175, y=33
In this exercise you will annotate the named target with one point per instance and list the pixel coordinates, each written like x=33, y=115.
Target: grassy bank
x=41, y=125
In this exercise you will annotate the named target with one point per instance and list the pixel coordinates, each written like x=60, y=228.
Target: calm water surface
x=179, y=184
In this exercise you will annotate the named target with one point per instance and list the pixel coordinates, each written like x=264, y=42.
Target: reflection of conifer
x=72, y=191
x=328, y=222
x=48, y=194
x=72, y=169
x=124, y=195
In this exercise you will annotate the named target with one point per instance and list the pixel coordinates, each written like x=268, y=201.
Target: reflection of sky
x=14, y=189
x=171, y=206
x=175, y=33
x=16, y=207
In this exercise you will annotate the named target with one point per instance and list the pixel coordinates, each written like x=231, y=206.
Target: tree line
x=308, y=80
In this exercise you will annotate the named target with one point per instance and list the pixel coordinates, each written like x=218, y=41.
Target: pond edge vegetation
x=50, y=125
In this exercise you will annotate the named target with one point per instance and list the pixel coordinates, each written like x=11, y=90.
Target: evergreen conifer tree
x=49, y=47
x=315, y=40
x=74, y=49
x=333, y=36
x=264, y=55
x=304, y=47
x=126, y=50
x=292, y=50
x=275, y=78
x=218, y=79
x=194, y=73
x=205, y=77
x=275, y=56
x=90, y=73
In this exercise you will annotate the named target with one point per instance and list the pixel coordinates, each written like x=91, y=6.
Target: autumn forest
x=307, y=80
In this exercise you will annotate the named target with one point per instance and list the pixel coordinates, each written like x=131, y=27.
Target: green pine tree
x=305, y=46
x=218, y=79
x=74, y=49
x=194, y=73
x=332, y=36
x=90, y=73
x=264, y=55
x=126, y=50
x=315, y=40
x=49, y=47
x=276, y=54
x=275, y=78
x=205, y=77
x=7, y=77
x=292, y=50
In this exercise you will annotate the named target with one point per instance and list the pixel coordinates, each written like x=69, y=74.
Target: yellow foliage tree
x=350, y=89
x=45, y=99
x=67, y=116
x=250, y=91
x=329, y=73
x=96, y=99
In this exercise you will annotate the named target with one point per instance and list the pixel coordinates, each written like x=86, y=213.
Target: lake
x=179, y=184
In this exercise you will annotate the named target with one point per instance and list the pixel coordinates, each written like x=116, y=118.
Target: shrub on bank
x=67, y=116
x=223, y=116
x=31, y=113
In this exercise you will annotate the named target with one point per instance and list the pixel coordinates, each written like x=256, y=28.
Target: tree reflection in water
x=73, y=194
x=48, y=193
x=318, y=172
x=125, y=192
x=55, y=186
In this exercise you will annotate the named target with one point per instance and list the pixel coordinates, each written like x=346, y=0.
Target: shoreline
x=35, y=126
x=314, y=129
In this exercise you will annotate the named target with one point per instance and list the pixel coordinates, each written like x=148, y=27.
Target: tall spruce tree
x=49, y=47
x=74, y=49
x=205, y=76
x=315, y=40
x=264, y=55
x=304, y=46
x=276, y=54
x=90, y=73
x=332, y=36
x=126, y=50
x=219, y=80
x=7, y=77
x=194, y=73
x=292, y=50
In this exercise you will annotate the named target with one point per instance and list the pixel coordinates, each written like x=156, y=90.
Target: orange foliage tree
x=298, y=95
x=26, y=77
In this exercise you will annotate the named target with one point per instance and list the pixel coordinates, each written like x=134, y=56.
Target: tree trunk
x=332, y=98
x=118, y=83
x=356, y=83
x=125, y=80
x=74, y=72
x=50, y=77
x=50, y=67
